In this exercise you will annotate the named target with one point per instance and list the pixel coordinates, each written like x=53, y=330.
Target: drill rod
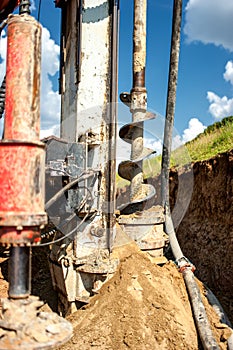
x=138, y=92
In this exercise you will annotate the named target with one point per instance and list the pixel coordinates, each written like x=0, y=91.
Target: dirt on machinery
x=145, y=305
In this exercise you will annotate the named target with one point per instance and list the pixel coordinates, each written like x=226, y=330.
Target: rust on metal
x=143, y=225
x=137, y=101
x=139, y=42
x=138, y=92
x=22, y=110
x=22, y=155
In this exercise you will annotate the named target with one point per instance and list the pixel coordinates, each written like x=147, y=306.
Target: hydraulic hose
x=82, y=177
x=202, y=323
x=230, y=342
x=214, y=302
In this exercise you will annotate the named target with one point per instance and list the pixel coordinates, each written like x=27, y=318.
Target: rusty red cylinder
x=22, y=155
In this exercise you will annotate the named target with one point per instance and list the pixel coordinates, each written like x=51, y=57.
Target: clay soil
x=145, y=305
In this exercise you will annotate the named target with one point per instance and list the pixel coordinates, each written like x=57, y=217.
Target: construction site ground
x=145, y=305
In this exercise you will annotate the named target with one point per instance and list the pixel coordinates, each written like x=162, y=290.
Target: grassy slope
x=216, y=138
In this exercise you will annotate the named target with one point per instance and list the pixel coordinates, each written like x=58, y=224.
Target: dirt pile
x=144, y=306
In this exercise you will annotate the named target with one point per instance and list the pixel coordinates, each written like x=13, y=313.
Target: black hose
x=230, y=342
x=201, y=318
x=214, y=302
x=202, y=323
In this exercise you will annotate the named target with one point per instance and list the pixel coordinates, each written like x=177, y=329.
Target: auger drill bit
x=137, y=101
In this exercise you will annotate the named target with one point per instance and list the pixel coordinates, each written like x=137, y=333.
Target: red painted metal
x=21, y=153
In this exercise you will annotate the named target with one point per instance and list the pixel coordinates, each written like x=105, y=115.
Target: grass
x=217, y=138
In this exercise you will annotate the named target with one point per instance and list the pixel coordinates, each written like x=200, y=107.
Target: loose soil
x=144, y=306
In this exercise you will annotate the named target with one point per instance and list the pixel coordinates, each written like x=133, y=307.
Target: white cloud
x=228, y=75
x=195, y=127
x=54, y=130
x=155, y=145
x=50, y=99
x=221, y=107
x=210, y=21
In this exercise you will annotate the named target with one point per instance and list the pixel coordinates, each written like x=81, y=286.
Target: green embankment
x=217, y=138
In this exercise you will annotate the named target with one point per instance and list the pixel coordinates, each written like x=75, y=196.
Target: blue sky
x=205, y=82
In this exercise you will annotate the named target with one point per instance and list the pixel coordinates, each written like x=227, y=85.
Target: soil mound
x=144, y=306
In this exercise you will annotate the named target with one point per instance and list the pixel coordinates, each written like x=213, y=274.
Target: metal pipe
x=201, y=318
x=138, y=92
x=202, y=323
x=214, y=302
x=171, y=101
x=78, y=41
x=22, y=108
x=21, y=153
x=111, y=191
x=19, y=273
x=139, y=43
x=133, y=132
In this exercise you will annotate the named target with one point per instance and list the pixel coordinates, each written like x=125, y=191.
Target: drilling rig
x=83, y=160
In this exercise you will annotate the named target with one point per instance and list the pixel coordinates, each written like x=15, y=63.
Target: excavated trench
x=145, y=306
x=206, y=231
